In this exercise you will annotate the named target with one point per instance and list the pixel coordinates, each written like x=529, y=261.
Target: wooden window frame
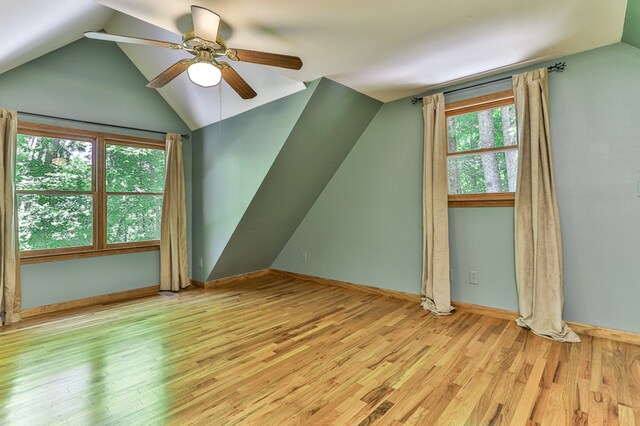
x=99, y=141
x=479, y=103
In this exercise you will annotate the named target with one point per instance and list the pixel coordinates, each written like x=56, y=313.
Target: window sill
x=27, y=259
x=505, y=199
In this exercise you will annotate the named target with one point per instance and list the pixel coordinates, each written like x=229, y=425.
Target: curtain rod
x=557, y=67
x=184, y=136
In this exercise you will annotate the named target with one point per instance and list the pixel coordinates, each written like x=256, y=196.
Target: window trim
x=479, y=103
x=99, y=140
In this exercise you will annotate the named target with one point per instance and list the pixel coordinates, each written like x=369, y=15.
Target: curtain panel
x=538, y=243
x=436, y=291
x=10, y=255
x=174, y=264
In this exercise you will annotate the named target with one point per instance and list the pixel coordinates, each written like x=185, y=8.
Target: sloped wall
x=231, y=159
x=331, y=123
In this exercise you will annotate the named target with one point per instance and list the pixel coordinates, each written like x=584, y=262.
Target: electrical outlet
x=200, y=263
x=304, y=256
x=474, y=278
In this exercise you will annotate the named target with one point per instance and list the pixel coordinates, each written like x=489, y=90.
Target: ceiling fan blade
x=132, y=40
x=205, y=23
x=169, y=74
x=264, y=58
x=236, y=82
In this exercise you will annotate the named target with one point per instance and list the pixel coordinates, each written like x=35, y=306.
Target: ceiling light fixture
x=204, y=74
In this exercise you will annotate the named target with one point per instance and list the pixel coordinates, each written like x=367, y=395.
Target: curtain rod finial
x=558, y=67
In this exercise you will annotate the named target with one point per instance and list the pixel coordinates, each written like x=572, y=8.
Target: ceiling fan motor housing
x=190, y=41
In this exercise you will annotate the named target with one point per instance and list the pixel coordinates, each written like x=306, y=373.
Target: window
x=482, y=152
x=83, y=194
x=135, y=180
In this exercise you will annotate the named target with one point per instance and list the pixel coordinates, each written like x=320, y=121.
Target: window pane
x=133, y=218
x=45, y=163
x=482, y=129
x=132, y=169
x=55, y=221
x=483, y=173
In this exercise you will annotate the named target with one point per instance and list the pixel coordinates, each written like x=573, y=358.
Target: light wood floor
x=278, y=351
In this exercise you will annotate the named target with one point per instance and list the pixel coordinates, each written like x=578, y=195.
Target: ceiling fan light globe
x=204, y=74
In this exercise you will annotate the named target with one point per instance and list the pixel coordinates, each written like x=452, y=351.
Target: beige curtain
x=537, y=220
x=174, y=266
x=9, y=254
x=436, y=290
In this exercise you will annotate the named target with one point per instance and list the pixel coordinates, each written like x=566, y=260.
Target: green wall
x=366, y=225
x=257, y=174
x=93, y=81
x=631, y=32
x=326, y=130
x=231, y=159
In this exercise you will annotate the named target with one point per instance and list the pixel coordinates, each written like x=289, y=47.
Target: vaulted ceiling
x=385, y=50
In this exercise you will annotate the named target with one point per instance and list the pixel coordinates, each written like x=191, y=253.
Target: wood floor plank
x=276, y=350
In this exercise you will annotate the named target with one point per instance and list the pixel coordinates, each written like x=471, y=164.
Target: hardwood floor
x=279, y=351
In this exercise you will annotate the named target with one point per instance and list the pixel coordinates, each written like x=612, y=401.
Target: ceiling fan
x=207, y=46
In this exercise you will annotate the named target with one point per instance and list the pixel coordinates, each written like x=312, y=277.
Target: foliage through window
x=482, y=149
x=135, y=179
x=54, y=180
x=86, y=192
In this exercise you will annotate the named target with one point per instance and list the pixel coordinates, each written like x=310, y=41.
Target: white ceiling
x=32, y=28
x=387, y=50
